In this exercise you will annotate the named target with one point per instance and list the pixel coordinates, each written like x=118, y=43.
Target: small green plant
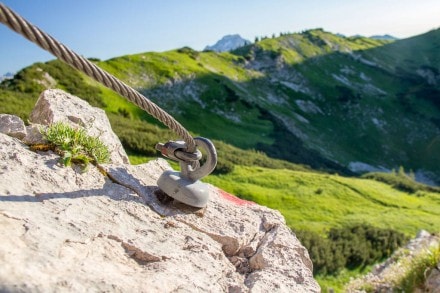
x=75, y=146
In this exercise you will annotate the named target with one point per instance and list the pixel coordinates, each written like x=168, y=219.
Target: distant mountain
x=8, y=75
x=228, y=43
x=375, y=37
x=384, y=37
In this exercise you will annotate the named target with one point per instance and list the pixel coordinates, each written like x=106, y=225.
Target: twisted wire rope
x=48, y=43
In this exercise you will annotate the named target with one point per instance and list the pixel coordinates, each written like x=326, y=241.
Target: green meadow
x=318, y=202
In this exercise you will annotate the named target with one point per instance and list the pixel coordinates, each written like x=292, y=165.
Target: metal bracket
x=185, y=185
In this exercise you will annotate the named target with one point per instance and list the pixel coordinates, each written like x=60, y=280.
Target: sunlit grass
x=337, y=282
x=319, y=202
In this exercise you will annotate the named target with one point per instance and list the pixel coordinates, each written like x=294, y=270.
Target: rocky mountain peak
x=109, y=229
x=7, y=75
x=228, y=43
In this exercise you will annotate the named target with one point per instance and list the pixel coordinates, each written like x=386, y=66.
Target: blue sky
x=110, y=28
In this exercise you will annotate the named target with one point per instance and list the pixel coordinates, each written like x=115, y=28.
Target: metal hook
x=209, y=165
x=185, y=186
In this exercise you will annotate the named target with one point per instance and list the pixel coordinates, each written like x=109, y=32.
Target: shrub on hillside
x=140, y=137
x=224, y=167
x=25, y=81
x=327, y=258
x=349, y=247
x=193, y=54
x=230, y=155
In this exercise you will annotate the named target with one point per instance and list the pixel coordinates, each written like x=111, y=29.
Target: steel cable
x=48, y=43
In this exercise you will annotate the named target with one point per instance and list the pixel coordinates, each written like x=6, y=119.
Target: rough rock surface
x=12, y=126
x=432, y=283
x=56, y=105
x=111, y=229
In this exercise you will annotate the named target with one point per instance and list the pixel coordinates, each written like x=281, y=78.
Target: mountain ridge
x=386, y=37
x=290, y=96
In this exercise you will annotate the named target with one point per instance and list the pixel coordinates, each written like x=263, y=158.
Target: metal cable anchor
x=185, y=185
x=174, y=150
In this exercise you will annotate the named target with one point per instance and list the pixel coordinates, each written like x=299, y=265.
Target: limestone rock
x=33, y=135
x=432, y=283
x=72, y=231
x=56, y=105
x=112, y=229
x=12, y=126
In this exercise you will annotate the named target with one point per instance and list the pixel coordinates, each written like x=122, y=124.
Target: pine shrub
x=350, y=247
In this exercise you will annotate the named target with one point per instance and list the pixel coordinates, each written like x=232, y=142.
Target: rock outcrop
x=12, y=126
x=58, y=106
x=111, y=229
x=432, y=283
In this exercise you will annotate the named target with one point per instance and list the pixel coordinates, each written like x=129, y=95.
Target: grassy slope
x=317, y=202
x=297, y=48
x=221, y=96
x=221, y=73
x=355, y=110
x=162, y=71
x=409, y=55
x=404, y=120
